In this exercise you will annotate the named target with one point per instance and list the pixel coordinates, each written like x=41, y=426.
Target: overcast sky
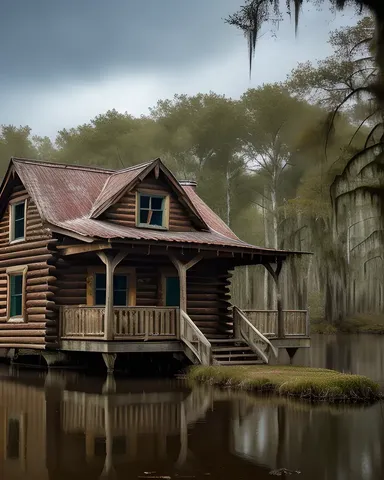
x=65, y=61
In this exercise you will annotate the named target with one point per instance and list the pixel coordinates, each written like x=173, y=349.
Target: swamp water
x=67, y=426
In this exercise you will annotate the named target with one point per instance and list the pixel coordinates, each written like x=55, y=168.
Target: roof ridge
x=63, y=165
x=132, y=167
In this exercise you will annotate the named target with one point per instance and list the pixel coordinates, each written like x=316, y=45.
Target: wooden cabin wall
x=37, y=252
x=124, y=211
x=208, y=297
x=72, y=280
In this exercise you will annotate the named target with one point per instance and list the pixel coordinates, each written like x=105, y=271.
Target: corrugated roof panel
x=107, y=230
x=214, y=222
x=61, y=193
x=117, y=182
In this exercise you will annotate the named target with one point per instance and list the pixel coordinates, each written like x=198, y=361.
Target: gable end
x=126, y=211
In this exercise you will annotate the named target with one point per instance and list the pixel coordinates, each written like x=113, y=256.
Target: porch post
x=110, y=265
x=182, y=271
x=275, y=275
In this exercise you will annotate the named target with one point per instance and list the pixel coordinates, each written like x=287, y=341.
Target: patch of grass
x=306, y=383
x=323, y=328
x=363, y=324
x=358, y=324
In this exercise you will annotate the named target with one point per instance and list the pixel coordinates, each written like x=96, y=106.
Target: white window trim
x=12, y=205
x=18, y=270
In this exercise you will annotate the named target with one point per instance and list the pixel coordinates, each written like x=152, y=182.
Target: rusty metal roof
x=66, y=196
x=117, y=182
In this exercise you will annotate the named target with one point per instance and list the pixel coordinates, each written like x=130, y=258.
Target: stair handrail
x=189, y=333
x=252, y=332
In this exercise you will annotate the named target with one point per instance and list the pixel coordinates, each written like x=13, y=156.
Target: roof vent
x=188, y=183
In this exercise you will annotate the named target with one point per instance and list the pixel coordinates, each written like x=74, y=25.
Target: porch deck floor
x=103, y=346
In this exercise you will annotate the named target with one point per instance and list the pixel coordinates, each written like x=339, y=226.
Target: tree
x=255, y=13
x=17, y=142
x=204, y=133
x=113, y=139
x=329, y=82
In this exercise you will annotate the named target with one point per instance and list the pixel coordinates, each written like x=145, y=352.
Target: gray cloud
x=65, y=61
x=46, y=40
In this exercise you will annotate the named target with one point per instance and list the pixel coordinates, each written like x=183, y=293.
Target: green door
x=172, y=292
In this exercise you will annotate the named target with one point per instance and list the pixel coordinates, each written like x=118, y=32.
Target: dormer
x=153, y=209
x=151, y=198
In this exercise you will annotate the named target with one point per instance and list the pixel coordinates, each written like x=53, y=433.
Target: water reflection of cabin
x=46, y=428
x=125, y=261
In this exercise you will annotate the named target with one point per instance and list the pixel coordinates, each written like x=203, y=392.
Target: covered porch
x=165, y=300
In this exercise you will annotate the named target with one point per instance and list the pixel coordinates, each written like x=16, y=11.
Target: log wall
x=38, y=253
x=124, y=211
x=208, y=298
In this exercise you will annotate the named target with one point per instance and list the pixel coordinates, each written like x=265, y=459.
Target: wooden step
x=225, y=340
x=229, y=348
x=237, y=355
x=241, y=362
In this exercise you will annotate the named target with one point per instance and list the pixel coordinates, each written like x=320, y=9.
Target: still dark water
x=66, y=426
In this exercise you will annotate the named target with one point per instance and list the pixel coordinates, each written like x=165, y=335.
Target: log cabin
x=133, y=260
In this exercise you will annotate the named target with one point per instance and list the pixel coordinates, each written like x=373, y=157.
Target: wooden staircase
x=233, y=351
x=247, y=347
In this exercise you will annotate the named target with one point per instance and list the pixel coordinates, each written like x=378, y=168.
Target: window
x=120, y=289
x=17, y=231
x=152, y=211
x=16, y=293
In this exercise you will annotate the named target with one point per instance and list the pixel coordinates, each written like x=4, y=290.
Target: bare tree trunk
x=228, y=196
x=266, y=243
x=274, y=218
x=275, y=240
x=247, y=299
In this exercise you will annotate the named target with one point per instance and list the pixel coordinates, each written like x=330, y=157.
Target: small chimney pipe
x=188, y=183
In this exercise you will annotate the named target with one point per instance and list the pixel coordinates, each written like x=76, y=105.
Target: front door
x=172, y=292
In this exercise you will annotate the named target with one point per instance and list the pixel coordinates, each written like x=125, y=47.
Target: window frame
x=12, y=205
x=129, y=272
x=165, y=210
x=11, y=272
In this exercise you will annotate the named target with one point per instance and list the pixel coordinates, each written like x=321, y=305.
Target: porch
x=169, y=329
x=155, y=302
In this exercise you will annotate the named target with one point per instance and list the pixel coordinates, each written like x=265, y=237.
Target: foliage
x=329, y=81
x=305, y=383
x=251, y=16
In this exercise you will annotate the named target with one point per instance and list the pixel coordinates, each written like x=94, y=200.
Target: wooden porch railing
x=195, y=340
x=130, y=323
x=253, y=337
x=296, y=322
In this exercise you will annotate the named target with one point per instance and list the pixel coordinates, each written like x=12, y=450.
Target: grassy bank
x=305, y=383
x=359, y=324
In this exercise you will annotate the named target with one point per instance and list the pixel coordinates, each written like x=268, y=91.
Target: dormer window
x=17, y=230
x=152, y=211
